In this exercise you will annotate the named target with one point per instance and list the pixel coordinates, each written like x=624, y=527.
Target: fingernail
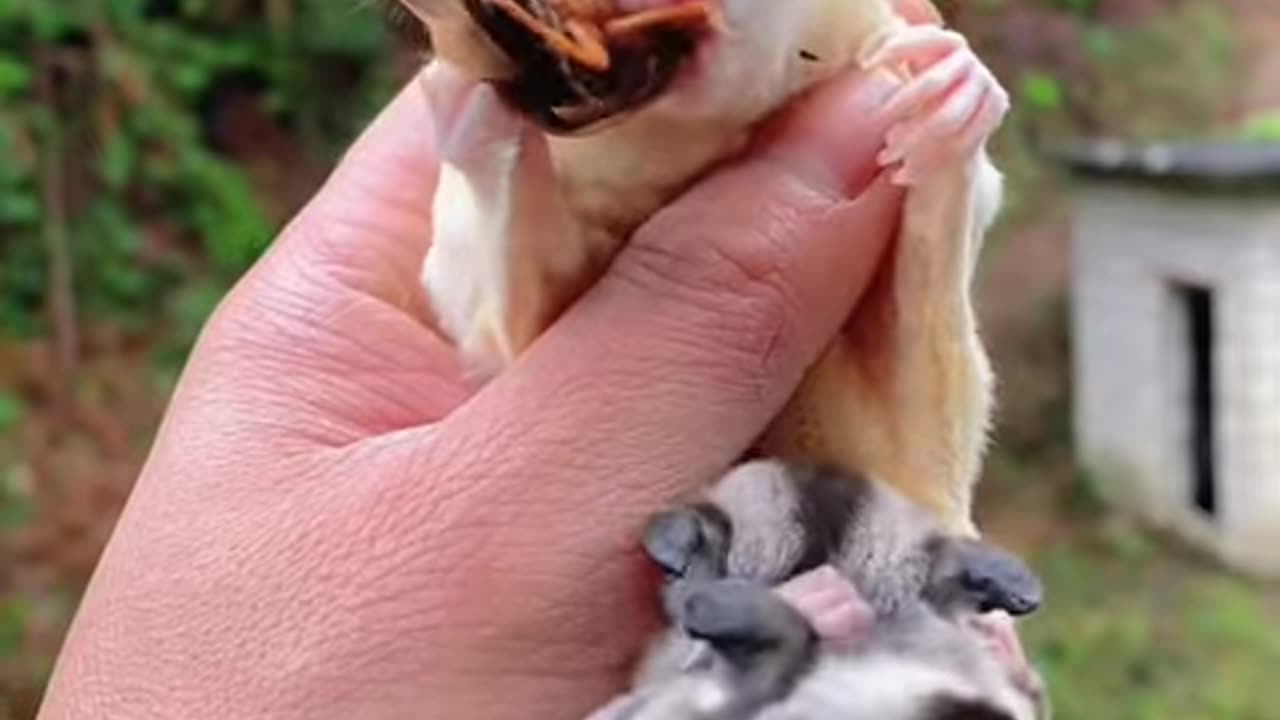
x=835, y=132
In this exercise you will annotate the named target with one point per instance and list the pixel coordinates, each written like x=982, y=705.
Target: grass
x=1137, y=627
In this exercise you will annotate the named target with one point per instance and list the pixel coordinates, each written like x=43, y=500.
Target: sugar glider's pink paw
x=1000, y=634
x=947, y=110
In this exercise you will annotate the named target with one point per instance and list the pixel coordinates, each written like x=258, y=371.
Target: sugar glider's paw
x=946, y=111
x=999, y=632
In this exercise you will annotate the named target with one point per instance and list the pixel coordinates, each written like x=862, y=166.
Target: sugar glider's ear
x=976, y=575
x=690, y=542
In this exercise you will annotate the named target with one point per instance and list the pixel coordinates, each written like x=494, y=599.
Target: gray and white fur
x=737, y=651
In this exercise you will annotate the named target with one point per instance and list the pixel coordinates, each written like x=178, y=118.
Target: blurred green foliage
x=1150, y=634
x=108, y=120
x=1126, y=69
x=1264, y=127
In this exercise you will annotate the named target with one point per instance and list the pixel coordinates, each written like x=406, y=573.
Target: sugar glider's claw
x=945, y=111
x=992, y=111
x=917, y=44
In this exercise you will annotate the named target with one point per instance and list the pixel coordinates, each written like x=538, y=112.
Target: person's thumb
x=668, y=369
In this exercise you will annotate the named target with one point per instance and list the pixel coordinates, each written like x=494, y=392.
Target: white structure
x=1176, y=329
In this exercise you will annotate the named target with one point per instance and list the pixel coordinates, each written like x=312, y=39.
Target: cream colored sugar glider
x=637, y=99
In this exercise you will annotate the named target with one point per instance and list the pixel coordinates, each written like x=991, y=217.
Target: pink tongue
x=830, y=603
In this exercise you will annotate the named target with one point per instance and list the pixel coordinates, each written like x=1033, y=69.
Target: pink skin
x=1001, y=632
x=946, y=111
x=333, y=524
x=830, y=603
x=838, y=613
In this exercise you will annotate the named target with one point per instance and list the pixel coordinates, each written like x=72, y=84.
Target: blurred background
x=150, y=148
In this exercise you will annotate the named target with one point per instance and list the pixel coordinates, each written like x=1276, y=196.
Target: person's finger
x=367, y=230
x=666, y=370
x=526, y=497
x=339, y=300
x=368, y=227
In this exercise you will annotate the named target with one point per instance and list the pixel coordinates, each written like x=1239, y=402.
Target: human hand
x=333, y=523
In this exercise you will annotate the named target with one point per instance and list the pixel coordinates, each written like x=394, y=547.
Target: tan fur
x=904, y=397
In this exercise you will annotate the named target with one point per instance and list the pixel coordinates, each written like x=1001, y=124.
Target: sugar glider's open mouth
x=581, y=63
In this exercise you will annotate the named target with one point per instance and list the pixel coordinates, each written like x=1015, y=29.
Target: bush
x=125, y=131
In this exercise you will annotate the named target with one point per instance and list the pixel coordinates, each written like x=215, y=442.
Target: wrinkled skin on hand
x=335, y=523
x=526, y=222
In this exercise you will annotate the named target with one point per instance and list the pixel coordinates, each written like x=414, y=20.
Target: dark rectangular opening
x=1197, y=307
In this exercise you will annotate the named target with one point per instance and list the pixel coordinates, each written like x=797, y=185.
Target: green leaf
x=14, y=76
x=116, y=161
x=11, y=411
x=18, y=208
x=13, y=622
x=1041, y=91
x=1262, y=128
